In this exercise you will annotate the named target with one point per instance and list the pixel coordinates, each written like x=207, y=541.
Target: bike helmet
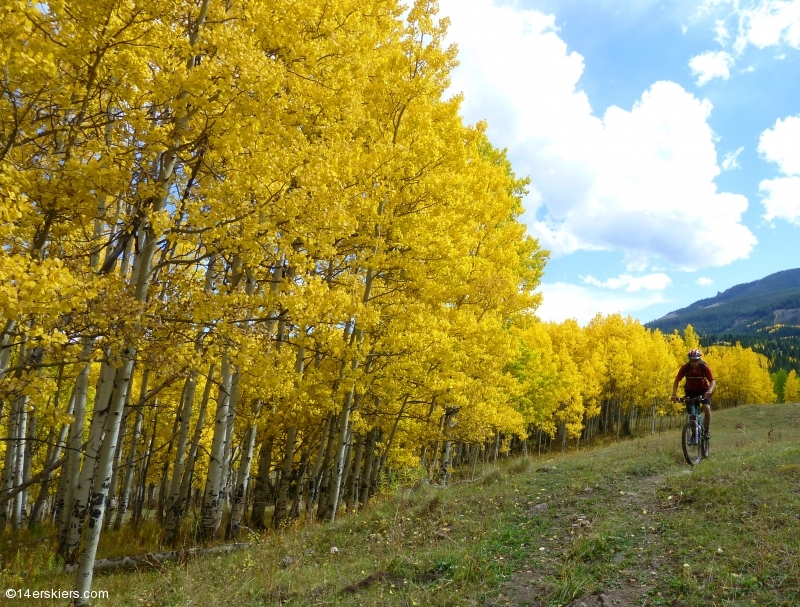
x=695, y=354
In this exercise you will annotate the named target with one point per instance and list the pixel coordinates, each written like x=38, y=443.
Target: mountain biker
x=699, y=382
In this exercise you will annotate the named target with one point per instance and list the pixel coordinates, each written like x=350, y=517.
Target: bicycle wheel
x=691, y=444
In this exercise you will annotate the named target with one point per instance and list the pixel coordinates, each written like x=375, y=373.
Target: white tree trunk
x=286, y=478
x=38, y=507
x=103, y=475
x=71, y=469
x=6, y=346
x=18, y=505
x=355, y=476
x=188, y=469
x=211, y=497
x=173, y=499
x=314, y=481
x=9, y=463
x=80, y=503
x=367, y=474
x=322, y=490
x=344, y=416
x=344, y=420
x=113, y=495
x=130, y=462
x=233, y=403
x=262, y=485
x=243, y=479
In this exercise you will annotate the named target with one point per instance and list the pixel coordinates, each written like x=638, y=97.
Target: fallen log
x=155, y=559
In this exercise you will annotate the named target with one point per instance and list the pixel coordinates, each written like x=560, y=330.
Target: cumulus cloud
x=781, y=198
x=781, y=145
x=769, y=23
x=704, y=281
x=638, y=180
x=562, y=300
x=731, y=160
x=710, y=65
x=649, y=282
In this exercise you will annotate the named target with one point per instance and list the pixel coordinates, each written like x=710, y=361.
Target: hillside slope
x=626, y=524
x=744, y=309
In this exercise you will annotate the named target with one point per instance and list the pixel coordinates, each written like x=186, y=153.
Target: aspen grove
x=253, y=261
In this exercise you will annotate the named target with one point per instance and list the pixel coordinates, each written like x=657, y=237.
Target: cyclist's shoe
x=707, y=434
x=692, y=441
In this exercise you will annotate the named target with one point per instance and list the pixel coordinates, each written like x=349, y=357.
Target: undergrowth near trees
x=629, y=520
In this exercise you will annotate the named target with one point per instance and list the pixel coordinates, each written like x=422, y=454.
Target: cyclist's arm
x=712, y=382
x=678, y=379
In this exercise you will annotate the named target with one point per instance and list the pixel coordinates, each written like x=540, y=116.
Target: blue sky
x=662, y=140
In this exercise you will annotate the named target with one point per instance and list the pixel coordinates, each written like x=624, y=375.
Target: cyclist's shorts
x=693, y=394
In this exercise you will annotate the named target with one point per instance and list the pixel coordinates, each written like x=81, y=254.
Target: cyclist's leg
x=691, y=409
x=707, y=415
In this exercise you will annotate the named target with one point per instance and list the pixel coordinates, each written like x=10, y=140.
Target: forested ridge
x=763, y=315
x=762, y=307
x=254, y=266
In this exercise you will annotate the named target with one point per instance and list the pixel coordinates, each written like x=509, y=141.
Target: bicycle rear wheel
x=691, y=443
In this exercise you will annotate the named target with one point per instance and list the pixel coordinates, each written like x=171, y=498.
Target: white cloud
x=631, y=180
x=731, y=160
x=781, y=198
x=769, y=23
x=710, y=5
x=563, y=300
x=710, y=65
x=649, y=282
x=781, y=145
x=761, y=23
x=704, y=282
x=721, y=33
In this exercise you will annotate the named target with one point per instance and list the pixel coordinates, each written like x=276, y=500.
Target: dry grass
x=622, y=520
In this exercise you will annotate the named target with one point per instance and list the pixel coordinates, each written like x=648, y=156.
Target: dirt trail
x=609, y=526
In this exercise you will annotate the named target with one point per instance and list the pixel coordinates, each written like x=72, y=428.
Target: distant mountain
x=770, y=306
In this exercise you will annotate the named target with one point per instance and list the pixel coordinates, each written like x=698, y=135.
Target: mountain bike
x=693, y=439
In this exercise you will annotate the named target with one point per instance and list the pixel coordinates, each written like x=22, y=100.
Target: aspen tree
x=129, y=468
x=243, y=477
x=792, y=388
x=388, y=280
x=53, y=456
x=262, y=483
x=185, y=415
x=102, y=480
x=212, y=498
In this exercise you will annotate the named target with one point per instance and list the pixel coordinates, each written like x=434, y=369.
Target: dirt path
x=610, y=528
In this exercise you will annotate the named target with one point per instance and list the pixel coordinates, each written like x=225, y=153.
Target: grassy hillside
x=625, y=524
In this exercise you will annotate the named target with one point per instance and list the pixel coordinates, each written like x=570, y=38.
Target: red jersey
x=696, y=379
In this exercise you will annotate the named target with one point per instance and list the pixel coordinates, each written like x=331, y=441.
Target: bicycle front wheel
x=706, y=447
x=691, y=441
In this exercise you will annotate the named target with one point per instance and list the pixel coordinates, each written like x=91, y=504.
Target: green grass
x=628, y=520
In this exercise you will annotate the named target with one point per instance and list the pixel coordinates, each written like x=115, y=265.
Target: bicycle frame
x=693, y=410
x=695, y=444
